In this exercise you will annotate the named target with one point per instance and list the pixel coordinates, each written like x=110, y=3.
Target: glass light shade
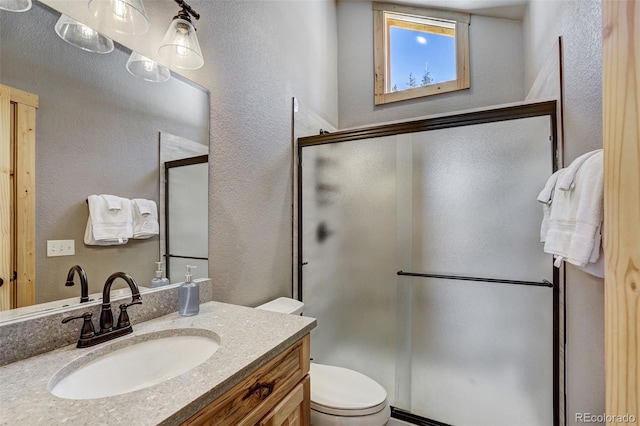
x=15, y=5
x=81, y=36
x=145, y=68
x=180, y=47
x=122, y=16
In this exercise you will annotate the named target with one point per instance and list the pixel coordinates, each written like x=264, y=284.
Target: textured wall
x=496, y=69
x=259, y=55
x=97, y=132
x=579, y=24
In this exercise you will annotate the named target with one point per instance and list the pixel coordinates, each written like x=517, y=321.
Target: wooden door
x=621, y=128
x=17, y=197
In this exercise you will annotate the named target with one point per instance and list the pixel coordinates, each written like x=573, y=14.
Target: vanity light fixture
x=145, y=68
x=180, y=47
x=15, y=5
x=81, y=36
x=122, y=16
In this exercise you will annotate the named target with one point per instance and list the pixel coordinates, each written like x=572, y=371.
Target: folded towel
x=107, y=226
x=575, y=219
x=566, y=182
x=145, y=218
x=90, y=241
x=595, y=268
x=113, y=201
x=545, y=197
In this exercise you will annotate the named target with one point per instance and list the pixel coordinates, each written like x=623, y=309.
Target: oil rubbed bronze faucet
x=88, y=335
x=84, y=282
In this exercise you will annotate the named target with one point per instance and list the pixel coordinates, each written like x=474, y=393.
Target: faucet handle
x=123, y=319
x=87, y=326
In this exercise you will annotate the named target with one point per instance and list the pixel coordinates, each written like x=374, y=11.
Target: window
x=419, y=52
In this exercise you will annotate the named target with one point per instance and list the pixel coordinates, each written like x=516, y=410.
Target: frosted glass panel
x=458, y=201
x=485, y=347
x=474, y=204
x=349, y=234
x=482, y=353
x=187, y=212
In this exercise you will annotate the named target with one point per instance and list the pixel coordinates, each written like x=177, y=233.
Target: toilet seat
x=348, y=413
x=342, y=392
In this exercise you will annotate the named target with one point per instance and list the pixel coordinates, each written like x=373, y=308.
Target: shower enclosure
x=420, y=256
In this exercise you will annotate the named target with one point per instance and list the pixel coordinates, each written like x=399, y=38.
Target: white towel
x=566, y=182
x=595, y=268
x=107, y=226
x=575, y=219
x=145, y=218
x=546, y=197
x=113, y=201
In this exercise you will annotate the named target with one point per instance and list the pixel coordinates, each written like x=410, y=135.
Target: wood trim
x=442, y=122
x=425, y=28
x=462, y=56
x=21, y=97
x=419, y=92
x=621, y=112
x=380, y=44
x=423, y=11
x=5, y=194
x=25, y=204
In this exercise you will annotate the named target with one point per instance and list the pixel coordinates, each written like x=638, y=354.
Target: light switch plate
x=61, y=248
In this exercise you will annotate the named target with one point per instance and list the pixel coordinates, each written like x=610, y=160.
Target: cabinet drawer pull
x=260, y=390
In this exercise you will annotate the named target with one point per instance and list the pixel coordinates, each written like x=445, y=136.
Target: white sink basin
x=133, y=364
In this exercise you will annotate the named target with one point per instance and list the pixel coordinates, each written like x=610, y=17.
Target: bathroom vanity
x=257, y=375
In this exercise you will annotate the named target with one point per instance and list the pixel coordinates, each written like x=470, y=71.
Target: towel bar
x=544, y=283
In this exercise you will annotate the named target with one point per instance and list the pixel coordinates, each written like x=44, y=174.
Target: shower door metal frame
x=189, y=161
x=514, y=112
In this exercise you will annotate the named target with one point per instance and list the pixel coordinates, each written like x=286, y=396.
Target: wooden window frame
x=382, y=84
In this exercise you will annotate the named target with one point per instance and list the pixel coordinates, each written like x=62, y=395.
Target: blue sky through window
x=411, y=50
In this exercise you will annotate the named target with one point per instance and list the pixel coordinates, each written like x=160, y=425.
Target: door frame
x=17, y=193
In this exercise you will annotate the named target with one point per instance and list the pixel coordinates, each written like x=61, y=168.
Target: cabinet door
x=293, y=410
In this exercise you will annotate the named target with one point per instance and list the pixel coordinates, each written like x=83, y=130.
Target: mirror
x=97, y=132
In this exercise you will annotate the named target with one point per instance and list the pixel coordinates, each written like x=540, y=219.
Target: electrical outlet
x=61, y=248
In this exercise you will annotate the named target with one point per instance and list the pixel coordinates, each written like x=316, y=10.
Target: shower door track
x=512, y=112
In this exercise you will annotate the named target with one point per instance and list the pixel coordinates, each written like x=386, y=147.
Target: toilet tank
x=284, y=305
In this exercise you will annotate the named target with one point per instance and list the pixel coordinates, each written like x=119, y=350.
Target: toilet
x=339, y=396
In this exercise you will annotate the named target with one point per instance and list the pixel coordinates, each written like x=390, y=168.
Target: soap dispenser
x=189, y=296
x=159, y=280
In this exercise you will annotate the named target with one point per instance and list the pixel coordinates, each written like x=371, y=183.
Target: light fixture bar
x=190, y=11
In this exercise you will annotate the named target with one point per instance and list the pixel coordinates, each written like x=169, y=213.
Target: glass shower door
x=457, y=202
x=349, y=235
x=481, y=353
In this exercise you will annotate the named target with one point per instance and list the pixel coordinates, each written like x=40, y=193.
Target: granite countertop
x=249, y=338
